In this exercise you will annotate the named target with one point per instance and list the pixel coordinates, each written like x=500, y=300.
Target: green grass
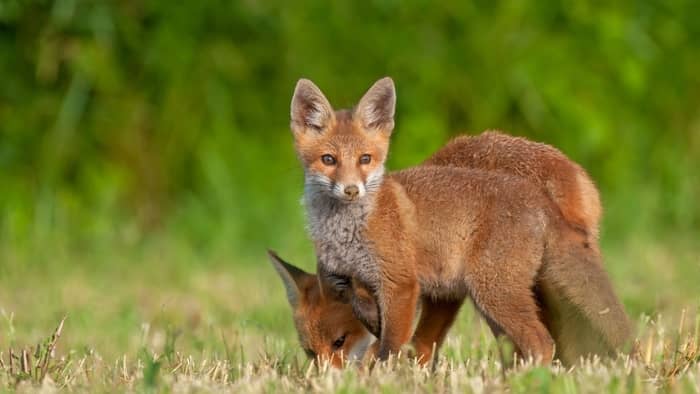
x=164, y=318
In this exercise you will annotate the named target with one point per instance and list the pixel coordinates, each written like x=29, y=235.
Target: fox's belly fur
x=445, y=280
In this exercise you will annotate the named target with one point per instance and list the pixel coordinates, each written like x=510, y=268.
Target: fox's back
x=461, y=213
x=565, y=182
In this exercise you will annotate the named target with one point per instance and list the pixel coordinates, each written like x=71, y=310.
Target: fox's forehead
x=345, y=134
x=315, y=310
x=347, y=137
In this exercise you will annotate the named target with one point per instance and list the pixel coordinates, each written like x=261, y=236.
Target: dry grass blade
x=12, y=356
x=51, y=347
x=24, y=362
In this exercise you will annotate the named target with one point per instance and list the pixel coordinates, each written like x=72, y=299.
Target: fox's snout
x=349, y=191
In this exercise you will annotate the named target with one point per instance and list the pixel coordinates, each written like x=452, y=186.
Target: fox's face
x=326, y=325
x=343, y=152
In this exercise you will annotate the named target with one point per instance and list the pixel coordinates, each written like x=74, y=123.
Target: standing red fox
x=442, y=233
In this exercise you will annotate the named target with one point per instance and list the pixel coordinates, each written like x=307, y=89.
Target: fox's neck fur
x=338, y=230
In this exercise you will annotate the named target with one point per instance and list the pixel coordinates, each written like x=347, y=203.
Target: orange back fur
x=564, y=181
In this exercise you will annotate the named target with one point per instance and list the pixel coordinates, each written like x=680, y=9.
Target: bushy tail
x=579, y=305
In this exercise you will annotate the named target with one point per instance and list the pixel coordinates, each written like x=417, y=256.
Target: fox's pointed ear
x=336, y=287
x=292, y=277
x=376, y=108
x=310, y=108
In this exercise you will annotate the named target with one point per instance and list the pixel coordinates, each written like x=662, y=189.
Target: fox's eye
x=365, y=159
x=328, y=160
x=339, y=343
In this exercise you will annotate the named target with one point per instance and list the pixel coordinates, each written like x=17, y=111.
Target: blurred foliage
x=124, y=119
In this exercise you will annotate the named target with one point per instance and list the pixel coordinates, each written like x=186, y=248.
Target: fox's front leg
x=397, y=307
x=436, y=318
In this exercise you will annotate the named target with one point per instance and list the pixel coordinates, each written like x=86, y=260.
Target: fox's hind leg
x=500, y=280
x=436, y=318
x=513, y=310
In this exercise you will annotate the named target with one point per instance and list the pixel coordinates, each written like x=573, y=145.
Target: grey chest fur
x=338, y=230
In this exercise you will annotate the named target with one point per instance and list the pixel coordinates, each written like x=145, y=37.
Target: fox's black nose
x=351, y=191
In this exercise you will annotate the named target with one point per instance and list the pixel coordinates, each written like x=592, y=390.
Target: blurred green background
x=145, y=153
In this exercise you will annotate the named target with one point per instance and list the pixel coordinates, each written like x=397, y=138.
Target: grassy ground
x=164, y=318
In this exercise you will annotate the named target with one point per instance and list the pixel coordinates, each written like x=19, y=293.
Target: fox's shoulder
x=392, y=221
x=391, y=200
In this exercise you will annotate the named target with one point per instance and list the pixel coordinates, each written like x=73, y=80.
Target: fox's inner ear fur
x=292, y=277
x=375, y=110
x=310, y=108
x=336, y=287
